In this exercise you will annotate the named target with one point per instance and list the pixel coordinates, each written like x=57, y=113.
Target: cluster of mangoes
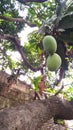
x=50, y=46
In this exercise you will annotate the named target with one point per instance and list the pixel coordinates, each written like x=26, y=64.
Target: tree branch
x=59, y=90
x=25, y=1
x=17, y=20
x=32, y=115
x=20, y=49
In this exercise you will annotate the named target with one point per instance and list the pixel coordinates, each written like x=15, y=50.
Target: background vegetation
x=51, y=17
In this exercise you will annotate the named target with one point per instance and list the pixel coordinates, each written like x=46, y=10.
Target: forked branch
x=20, y=49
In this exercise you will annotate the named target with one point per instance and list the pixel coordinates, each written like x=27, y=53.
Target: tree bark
x=14, y=93
x=17, y=20
x=32, y=115
x=26, y=1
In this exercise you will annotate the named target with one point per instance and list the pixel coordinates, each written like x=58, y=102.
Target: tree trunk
x=16, y=93
x=32, y=115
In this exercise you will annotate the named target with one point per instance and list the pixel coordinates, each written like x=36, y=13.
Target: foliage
x=7, y=8
x=44, y=17
x=40, y=12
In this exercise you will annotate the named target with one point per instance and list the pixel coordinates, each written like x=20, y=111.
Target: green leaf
x=11, y=63
x=35, y=81
x=66, y=22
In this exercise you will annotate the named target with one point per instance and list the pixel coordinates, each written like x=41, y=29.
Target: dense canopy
x=47, y=17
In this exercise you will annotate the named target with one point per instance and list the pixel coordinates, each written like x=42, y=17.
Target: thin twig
x=59, y=90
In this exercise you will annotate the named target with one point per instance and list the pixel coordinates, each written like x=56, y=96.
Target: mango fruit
x=49, y=44
x=53, y=62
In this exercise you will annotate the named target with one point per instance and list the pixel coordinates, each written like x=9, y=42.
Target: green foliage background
x=37, y=13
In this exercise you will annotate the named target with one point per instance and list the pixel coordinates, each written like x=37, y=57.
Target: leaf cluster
x=7, y=8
